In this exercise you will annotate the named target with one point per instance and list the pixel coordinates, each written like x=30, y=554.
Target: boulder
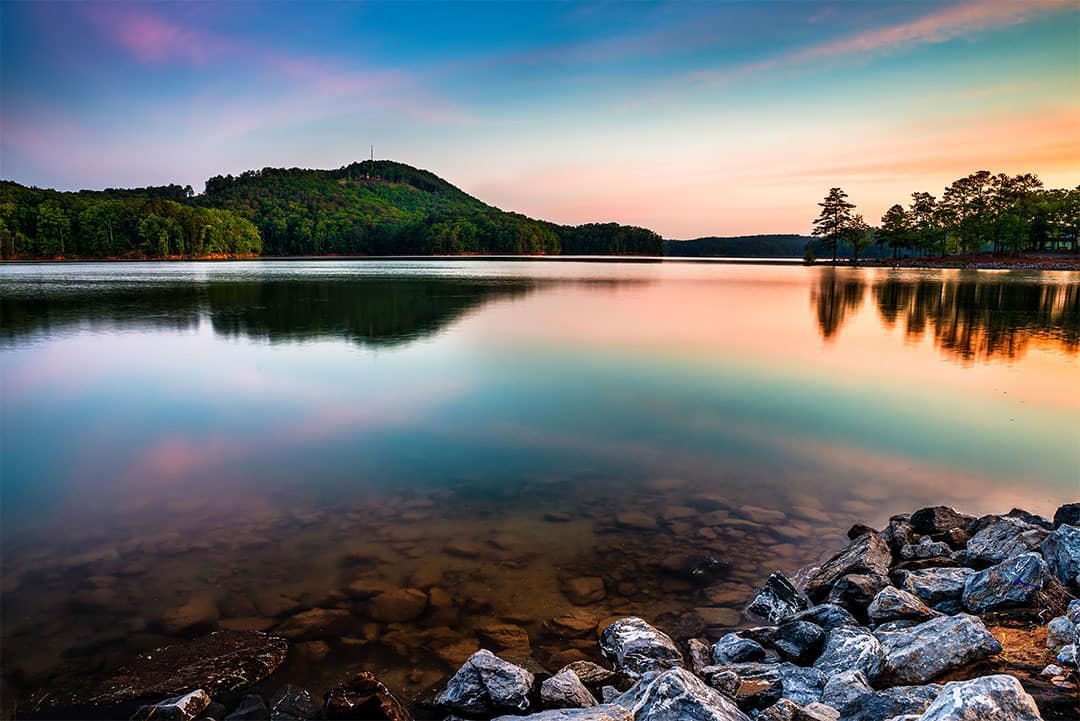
x=856, y=591
x=867, y=554
x=177, y=708
x=607, y=712
x=1059, y=632
x=997, y=697
x=752, y=685
x=892, y=604
x=698, y=568
x=1031, y=518
x=292, y=703
x=1069, y=514
x=895, y=701
x=787, y=710
x=486, y=685
x=845, y=688
x=565, y=690
x=634, y=647
x=801, y=685
x=363, y=697
x=677, y=695
x=733, y=648
x=1015, y=583
x=398, y=605
x=1004, y=538
x=925, y=548
x=935, y=586
x=778, y=600
x=316, y=623
x=924, y=652
x=251, y=708
x=938, y=519
x=1061, y=550
x=850, y=648
x=799, y=641
x=701, y=655
x=828, y=616
x=593, y=674
x=898, y=533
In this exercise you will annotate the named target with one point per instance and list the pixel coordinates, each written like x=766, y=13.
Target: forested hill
x=756, y=246
x=367, y=208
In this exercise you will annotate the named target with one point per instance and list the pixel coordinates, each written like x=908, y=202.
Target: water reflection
x=972, y=316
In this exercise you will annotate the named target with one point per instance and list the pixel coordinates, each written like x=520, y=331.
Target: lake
x=188, y=446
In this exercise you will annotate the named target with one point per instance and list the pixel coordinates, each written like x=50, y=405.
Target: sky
x=690, y=118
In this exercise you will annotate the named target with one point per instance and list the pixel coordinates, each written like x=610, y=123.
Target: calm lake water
x=271, y=437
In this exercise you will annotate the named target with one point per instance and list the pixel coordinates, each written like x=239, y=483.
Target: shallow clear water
x=264, y=434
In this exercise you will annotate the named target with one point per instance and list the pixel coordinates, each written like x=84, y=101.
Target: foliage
x=835, y=221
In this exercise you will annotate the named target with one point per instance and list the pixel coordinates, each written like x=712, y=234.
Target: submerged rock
x=733, y=648
x=634, y=647
x=1061, y=549
x=1014, y=583
x=565, y=690
x=363, y=697
x=677, y=695
x=1004, y=538
x=866, y=555
x=485, y=684
x=198, y=613
x=892, y=604
x=316, y=623
x=778, y=600
x=177, y=708
x=850, y=648
x=399, y=605
x=922, y=653
x=998, y=697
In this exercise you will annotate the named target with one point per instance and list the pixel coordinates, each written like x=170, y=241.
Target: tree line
x=981, y=211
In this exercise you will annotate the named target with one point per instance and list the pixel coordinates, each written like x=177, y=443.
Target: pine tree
x=835, y=219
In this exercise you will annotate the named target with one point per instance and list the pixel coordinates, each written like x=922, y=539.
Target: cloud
x=151, y=38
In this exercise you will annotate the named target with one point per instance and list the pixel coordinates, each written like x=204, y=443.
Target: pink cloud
x=152, y=38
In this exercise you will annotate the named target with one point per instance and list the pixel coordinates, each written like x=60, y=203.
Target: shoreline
x=933, y=616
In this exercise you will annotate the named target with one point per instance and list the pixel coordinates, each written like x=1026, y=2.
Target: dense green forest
x=981, y=211
x=753, y=246
x=368, y=208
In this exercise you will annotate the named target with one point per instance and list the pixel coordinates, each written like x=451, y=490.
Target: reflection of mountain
x=980, y=316
x=836, y=294
x=372, y=311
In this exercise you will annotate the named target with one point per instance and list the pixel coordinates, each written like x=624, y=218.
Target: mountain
x=367, y=208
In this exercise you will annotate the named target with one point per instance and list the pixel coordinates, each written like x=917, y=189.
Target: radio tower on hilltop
x=373, y=153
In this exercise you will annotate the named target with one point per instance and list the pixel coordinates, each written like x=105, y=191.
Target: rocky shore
x=939, y=616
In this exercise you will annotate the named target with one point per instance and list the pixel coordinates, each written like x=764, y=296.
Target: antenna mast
x=372, y=153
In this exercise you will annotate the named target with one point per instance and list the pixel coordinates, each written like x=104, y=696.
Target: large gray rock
x=292, y=703
x=938, y=519
x=828, y=616
x=565, y=690
x=866, y=555
x=1061, y=550
x=998, y=697
x=845, y=688
x=251, y=708
x=1060, y=632
x=922, y=653
x=733, y=648
x=607, y=712
x=798, y=641
x=855, y=591
x=787, y=710
x=892, y=604
x=1067, y=514
x=778, y=600
x=363, y=697
x=1003, y=539
x=485, y=684
x=800, y=684
x=935, y=586
x=752, y=685
x=925, y=548
x=178, y=708
x=634, y=647
x=851, y=648
x=677, y=695
x=895, y=701
x=1014, y=583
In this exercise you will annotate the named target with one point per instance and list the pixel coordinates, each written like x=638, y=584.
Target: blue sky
x=689, y=118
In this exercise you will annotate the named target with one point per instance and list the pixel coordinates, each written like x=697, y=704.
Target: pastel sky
x=692, y=119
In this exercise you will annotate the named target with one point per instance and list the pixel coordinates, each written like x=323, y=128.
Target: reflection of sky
x=714, y=374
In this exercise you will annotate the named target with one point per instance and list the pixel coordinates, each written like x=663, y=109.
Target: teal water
x=171, y=430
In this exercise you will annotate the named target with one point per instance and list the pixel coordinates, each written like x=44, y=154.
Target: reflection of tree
x=980, y=316
x=837, y=293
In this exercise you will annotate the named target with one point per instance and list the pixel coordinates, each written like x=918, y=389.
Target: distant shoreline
x=983, y=261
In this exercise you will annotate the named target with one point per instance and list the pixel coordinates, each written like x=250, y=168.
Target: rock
x=363, y=697
x=787, y=710
x=677, y=695
x=938, y=519
x=701, y=655
x=698, y=568
x=198, y=613
x=609, y=694
x=502, y=636
x=636, y=520
x=898, y=534
x=486, y=685
x=177, y=708
x=717, y=618
x=828, y=616
x=215, y=711
x=634, y=647
x=316, y=623
x=607, y=712
x=733, y=648
x=576, y=624
x=726, y=682
x=752, y=685
x=220, y=661
x=851, y=648
x=935, y=585
x=802, y=685
x=845, y=688
x=925, y=548
x=1014, y=583
x=1067, y=655
x=565, y=690
x=398, y=606
x=1002, y=539
x=558, y=517
x=778, y=600
x=997, y=697
x=764, y=516
x=859, y=529
x=1069, y=514
x=799, y=641
x=584, y=591
x=895, y=701
x=1059, y=632
x=292, y=703
x=593, y=674
x=1031, y=518
x=866, y=555
x=1061, y=550
x=923, y=653
x=856, y=591
x=892, y=604
x=251, y=708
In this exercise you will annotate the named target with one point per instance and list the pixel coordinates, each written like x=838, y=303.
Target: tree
x=858, y=234
x=922, y=220
x=895, y=231
x=834, y=221
x=53, y=224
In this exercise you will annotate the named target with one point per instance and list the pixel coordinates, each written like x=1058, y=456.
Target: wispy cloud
x=150, y=37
